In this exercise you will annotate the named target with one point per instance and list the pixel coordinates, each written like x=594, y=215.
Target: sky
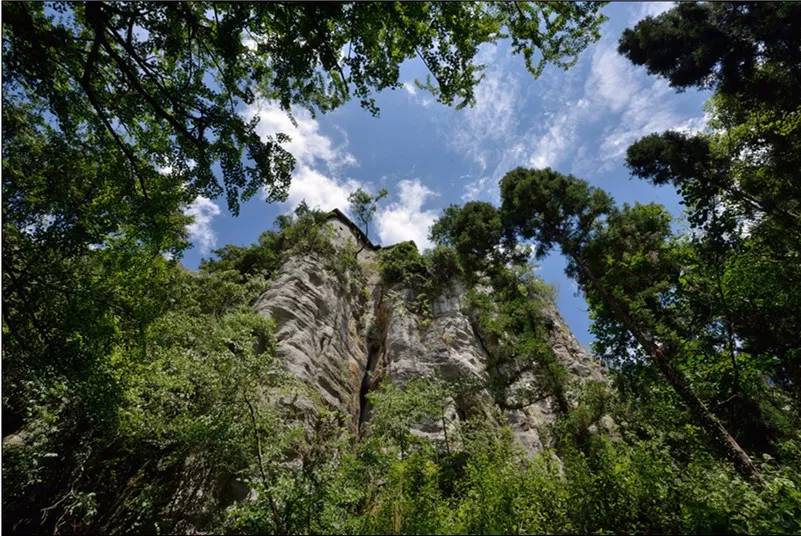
x=430, y=156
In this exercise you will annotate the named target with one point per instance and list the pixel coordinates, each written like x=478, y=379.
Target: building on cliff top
x=342, y=225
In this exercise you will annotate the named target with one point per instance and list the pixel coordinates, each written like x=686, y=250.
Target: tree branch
x=94, y=13
x=86, y=84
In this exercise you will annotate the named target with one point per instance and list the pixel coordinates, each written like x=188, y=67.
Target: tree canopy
x=116, y=115
x=162, y=85
x=139, y=396
x=473, y=230
x=739, y=177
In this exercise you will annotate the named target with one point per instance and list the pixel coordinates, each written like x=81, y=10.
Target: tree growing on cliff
x=118, y=114
x=474, y=231
x=363, y=206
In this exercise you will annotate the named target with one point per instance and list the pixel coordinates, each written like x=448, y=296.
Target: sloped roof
x=339, y=215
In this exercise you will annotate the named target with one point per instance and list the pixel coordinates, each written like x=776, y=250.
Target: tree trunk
x=663, y=359
x=705, y=417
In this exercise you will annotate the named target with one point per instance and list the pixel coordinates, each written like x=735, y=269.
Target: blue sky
x=429, y=156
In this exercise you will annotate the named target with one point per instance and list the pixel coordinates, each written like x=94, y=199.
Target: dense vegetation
x=189, y=414
x=141, y=397
x=130, y=110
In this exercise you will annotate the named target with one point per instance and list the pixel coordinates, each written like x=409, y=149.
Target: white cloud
x=492, y=119
x=202, y=210
x=694, y=124
x=578, y=121
x=41, y=224
x=406, y=219
x=316, y=177
x=618, y=98
x=613, y=91
x=612, y=80
x=307, y=144
x=644, y=104
x=318, y=159
x=556, y=143
x=421, y=97
x=587, y=119
x=475, y=189
x=319, y=190
x=250, y=43
x=617, y=140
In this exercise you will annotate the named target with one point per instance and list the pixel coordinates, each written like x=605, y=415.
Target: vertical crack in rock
x=342, y=344
x=376, y=347
x=477, y=333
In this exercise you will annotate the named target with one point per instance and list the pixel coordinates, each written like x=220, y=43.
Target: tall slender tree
x=739, y=177
x=363, y=206
x=624, y=262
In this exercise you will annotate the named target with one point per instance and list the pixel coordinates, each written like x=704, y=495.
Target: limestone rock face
x=449, y=345
x=527, y=421
x=570, y=353
x=319, y=330
x=344, y=335
x=443, y=345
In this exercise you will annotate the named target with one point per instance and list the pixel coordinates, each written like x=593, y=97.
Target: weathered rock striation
x=344, y=334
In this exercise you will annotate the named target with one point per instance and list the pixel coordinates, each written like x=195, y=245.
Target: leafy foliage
x=399, y=482
x=140, y=397
x=510, y=316
x=629, y=269
x=738, y=178
x=474, y=231
x=363, y=206
x=426, y=275
x=175, y=400
x=161, y=84
x=117, y=115
x=747, y=49
x=204, y=406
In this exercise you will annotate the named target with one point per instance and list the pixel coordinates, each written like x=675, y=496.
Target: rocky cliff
x=345, y=334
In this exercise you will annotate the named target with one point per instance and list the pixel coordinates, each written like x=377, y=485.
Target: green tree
x=162, y=84
x=474, y=230
x=116, y=115
x=739, y=178
x=627, y=267
x=363, y=206
x=747, y=49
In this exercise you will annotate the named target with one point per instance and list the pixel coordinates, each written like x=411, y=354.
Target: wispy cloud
x=477, y=188
x=308, y=145
x=579, y=121
x=421, y=97
x=488, y=133
x=200, y=232
x=619, y=103
x=555, y=144
x=406, y=219
x=317, y=177
x=319, y=160
x=642, y=104
x=480, y=130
